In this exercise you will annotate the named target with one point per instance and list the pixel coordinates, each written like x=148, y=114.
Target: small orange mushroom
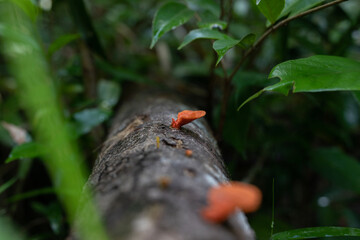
x=225, y=198
x=188, y=153
x=186, y=117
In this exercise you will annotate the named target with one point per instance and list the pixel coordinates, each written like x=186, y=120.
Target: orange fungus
x=188, y=153
x=186, y=117
x=225, y=198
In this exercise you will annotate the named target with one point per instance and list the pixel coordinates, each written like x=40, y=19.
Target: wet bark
x=148, y=189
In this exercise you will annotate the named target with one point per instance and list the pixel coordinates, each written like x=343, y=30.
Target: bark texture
x=150, y=190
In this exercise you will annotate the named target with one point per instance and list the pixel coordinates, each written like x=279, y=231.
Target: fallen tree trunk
x=146, y=186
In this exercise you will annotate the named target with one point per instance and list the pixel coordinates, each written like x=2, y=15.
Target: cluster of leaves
x=306, y=142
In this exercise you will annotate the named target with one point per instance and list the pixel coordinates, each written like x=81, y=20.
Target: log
x=147, y=189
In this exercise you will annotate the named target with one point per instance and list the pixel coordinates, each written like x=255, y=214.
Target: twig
x=272, y=28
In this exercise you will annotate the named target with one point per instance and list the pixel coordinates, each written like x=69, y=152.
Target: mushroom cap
x=189, y=114
x=225, y=198
x=186, y=117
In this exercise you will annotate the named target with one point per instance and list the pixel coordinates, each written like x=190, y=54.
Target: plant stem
x=273, y=28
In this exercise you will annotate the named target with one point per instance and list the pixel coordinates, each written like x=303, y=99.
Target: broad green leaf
x=247, y=41
x=319, y=73
x=337, y=167
x=168, y=17
x=222, y=46
x=314, y=74
x=26, y=150
x=7, y=184
x=61, y=42
x=202, y=34
x=294, y=7
x=271, y=9
x=108, y=93
x=89, y=118
x=317, y=232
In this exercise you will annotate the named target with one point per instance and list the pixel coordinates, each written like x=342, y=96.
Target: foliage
x=66, y=91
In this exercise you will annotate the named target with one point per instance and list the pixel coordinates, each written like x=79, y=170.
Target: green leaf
x=247, y=41
x=271, y=9
x=222, y=46
x=320, y=73
x=282, y=87
x=337, y=167
x=26, y=150
x=202, y=34
x=317, y=232
x=108, y=93
x=89, y=118
x=294, y=7
x=169, y=16
x=314, y=74
x=61, y=42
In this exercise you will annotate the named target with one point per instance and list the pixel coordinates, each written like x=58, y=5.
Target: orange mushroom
x=225, y=198
x=186, y=117
x=188, y=153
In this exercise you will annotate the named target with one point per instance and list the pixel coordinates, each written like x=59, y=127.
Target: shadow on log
x=149, y=189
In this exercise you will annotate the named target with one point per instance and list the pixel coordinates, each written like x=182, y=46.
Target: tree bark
x=151, y=190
